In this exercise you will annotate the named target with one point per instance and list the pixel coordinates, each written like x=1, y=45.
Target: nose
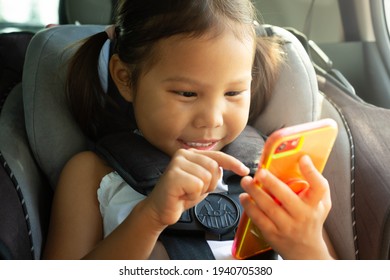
x=210, y=115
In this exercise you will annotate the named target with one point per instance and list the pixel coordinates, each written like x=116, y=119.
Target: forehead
x=223, y=51
x=212, y=36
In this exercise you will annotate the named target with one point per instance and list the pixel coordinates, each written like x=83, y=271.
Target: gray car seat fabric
x=30, y=187
x=53, y=134
x=295, y=98
x=370, y=188
x=340, y=224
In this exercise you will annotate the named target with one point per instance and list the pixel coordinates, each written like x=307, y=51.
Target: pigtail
x=84, y=90
x=268, y=57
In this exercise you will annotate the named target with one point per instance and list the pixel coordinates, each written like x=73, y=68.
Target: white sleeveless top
x=117, y=199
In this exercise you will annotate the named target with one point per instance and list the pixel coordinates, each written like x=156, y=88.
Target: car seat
x=38, y=135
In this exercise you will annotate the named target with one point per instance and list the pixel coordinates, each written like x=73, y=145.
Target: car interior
x=38, y=134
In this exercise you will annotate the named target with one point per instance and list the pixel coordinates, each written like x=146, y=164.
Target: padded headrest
x=54, y=136
x=295, y=98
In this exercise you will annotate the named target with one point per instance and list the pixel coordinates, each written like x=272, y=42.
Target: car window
x=387, y=13
x=27, y=14
x=320, y=20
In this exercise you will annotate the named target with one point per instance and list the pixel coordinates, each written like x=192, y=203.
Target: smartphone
x=281, y=154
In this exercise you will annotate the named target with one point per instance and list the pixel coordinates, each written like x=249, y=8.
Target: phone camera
x=288, y=145
x=282, y=147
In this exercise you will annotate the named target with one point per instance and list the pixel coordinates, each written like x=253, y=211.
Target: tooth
x=194, y=144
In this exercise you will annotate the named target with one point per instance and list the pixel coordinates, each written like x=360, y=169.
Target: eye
x=233, y=93
x=186, y=93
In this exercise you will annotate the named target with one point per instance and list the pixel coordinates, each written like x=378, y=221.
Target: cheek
x=155, y=120
x=237, y=119
x=241, y=110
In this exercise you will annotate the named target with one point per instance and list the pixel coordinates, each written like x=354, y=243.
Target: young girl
x=193, y=75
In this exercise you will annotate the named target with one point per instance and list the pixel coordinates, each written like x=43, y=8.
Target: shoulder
x=85, y=168
x=88, y=160
x=76, y=226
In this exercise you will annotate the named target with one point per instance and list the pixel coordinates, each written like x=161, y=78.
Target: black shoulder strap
x=138, y=162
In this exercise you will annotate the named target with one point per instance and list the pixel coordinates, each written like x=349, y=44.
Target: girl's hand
x=189, y=177
x=293, y=227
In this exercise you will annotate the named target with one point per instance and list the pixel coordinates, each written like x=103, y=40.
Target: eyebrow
x=182, y=79
x=199, y=83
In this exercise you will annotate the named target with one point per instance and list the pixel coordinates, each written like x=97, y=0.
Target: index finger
x=226, y=161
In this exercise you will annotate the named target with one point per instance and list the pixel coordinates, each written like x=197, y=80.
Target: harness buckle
x=217, y=213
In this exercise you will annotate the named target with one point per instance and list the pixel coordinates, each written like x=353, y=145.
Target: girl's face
x=197, y=92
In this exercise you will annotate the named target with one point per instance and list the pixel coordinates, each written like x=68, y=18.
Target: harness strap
x=186, y=247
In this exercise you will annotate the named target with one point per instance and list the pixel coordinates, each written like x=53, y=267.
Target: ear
x=121, y=76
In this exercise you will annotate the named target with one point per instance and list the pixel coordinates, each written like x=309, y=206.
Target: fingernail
x=245, y=169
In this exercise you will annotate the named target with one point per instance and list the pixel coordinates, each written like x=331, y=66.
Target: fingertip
x=306, y=163
x=241, y=169
x=305, y=159
x=244, y=170
x=245, y=181
x=261, y=174
x=244, y=198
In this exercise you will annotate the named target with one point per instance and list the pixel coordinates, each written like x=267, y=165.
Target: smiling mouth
x=209, y=145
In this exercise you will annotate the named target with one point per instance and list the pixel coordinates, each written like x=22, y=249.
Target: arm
x=76, y=229
x=76, y=224
x=294, y=228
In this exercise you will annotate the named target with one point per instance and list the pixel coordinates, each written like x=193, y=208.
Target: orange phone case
x=281, y=155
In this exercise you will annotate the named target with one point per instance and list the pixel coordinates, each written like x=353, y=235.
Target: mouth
x=206, y=145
